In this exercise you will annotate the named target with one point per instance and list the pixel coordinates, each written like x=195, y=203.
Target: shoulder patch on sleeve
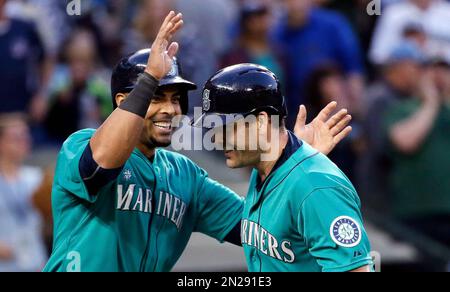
x=345, y=231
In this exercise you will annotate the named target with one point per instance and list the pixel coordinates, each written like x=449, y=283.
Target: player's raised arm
x=114, y=141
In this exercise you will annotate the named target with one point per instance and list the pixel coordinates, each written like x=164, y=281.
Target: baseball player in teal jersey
x=120, y=201
x=301, y=212
x=120, y=204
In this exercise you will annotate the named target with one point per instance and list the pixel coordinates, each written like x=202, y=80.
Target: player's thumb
x=173, y=49
x=301, y=117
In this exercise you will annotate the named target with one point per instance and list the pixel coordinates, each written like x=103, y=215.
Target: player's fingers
x=326, y=112
x=167, y=26
x=168, y=18
x=177, y=26
x=301, y=117
x=166, y=32
x=171, y=27
x=341, y=125
x=339, y=137
x=159, y=46
x=173, y=49
x=336, y=118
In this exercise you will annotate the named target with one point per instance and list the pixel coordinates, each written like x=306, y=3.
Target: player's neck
x=148, y=152
x=264, y=167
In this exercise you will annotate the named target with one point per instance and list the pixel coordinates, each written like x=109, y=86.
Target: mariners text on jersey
x=304, y=217
x=142, y=219
x=138, y=199
x=252, y=234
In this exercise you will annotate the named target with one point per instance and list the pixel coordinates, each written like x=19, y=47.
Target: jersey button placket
x=158, y=174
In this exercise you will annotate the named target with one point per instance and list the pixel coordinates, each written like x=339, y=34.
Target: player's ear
x=120, y=97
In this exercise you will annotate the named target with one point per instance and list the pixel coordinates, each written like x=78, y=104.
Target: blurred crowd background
x=391, y=71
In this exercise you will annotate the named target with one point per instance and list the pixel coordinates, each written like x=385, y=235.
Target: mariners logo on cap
x=173, y=71
x=345, y=231
x=206, y=100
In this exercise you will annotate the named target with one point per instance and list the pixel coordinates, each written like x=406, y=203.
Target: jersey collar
x=277, y=176
x=292, y=146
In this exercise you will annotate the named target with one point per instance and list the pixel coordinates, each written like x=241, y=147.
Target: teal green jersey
x=142, y=220
x=304, y=217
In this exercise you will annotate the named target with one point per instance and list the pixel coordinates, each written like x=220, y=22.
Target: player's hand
x=323, y=133
x=160, y=61
x=428, y=91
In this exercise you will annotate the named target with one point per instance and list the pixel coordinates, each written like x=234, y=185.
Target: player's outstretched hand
x=160, y=61
x=324, y=132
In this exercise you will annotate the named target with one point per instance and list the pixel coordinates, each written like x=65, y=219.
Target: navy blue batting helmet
x=127, y=71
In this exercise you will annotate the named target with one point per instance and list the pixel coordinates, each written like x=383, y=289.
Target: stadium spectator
x=21, y=244
x=81, y=97
x=398, y=82
x=312, y=37
x=441, y=75
x=204, y=39
x=52, y=28
x=42, y=200
x=356, y=11
x=418, y=131
x=327, y=84
x=432, y=15
x=111, y=19
x=24, y=70
x=253, y=44
x=149, y=14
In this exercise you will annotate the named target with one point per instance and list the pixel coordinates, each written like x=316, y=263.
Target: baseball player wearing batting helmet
x=120, y=201
x=301, y=212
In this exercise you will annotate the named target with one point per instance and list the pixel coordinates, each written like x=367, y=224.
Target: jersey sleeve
x=331, y=224
x=219, y=209
x=67, y=174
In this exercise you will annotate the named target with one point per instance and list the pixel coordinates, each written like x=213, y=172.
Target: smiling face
x=164, y=107
x=158, y=122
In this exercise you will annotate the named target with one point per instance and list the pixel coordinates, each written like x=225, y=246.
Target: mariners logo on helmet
x=206, y=100
x=173, y=71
